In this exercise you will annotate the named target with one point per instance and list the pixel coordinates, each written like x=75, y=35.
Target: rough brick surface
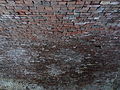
x=59, y=14
x=43, y=40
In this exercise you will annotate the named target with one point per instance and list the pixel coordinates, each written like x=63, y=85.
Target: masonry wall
x=42, y=19
x=60, y=42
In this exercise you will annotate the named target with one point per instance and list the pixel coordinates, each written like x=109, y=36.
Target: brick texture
x=60, y=17
x=60, y=43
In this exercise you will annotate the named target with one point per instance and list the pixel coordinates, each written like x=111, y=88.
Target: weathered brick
x=59, y=13
x=62, y=3
x=105, y=2
x=70, y=25
x=71, y=7
x=100, y=9
x=48, y=8
x=114, y=3
x=28, y=2
x=19, y=1
x=80, y=2
x=22, y=12
x=10, y=7
x=3, y=1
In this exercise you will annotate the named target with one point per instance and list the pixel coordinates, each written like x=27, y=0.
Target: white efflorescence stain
x=54, y=70
x=17, y=54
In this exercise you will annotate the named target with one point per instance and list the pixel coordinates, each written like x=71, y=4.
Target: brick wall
x=84, y=45
x=42, y=19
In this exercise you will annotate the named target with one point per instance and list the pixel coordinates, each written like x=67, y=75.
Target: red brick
x=71, y=3
x=19, y=1
x=22, y=12
x=28, y=2
x=1, y=28
x=48, y=8
x=62, y=3
x=80, y=2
